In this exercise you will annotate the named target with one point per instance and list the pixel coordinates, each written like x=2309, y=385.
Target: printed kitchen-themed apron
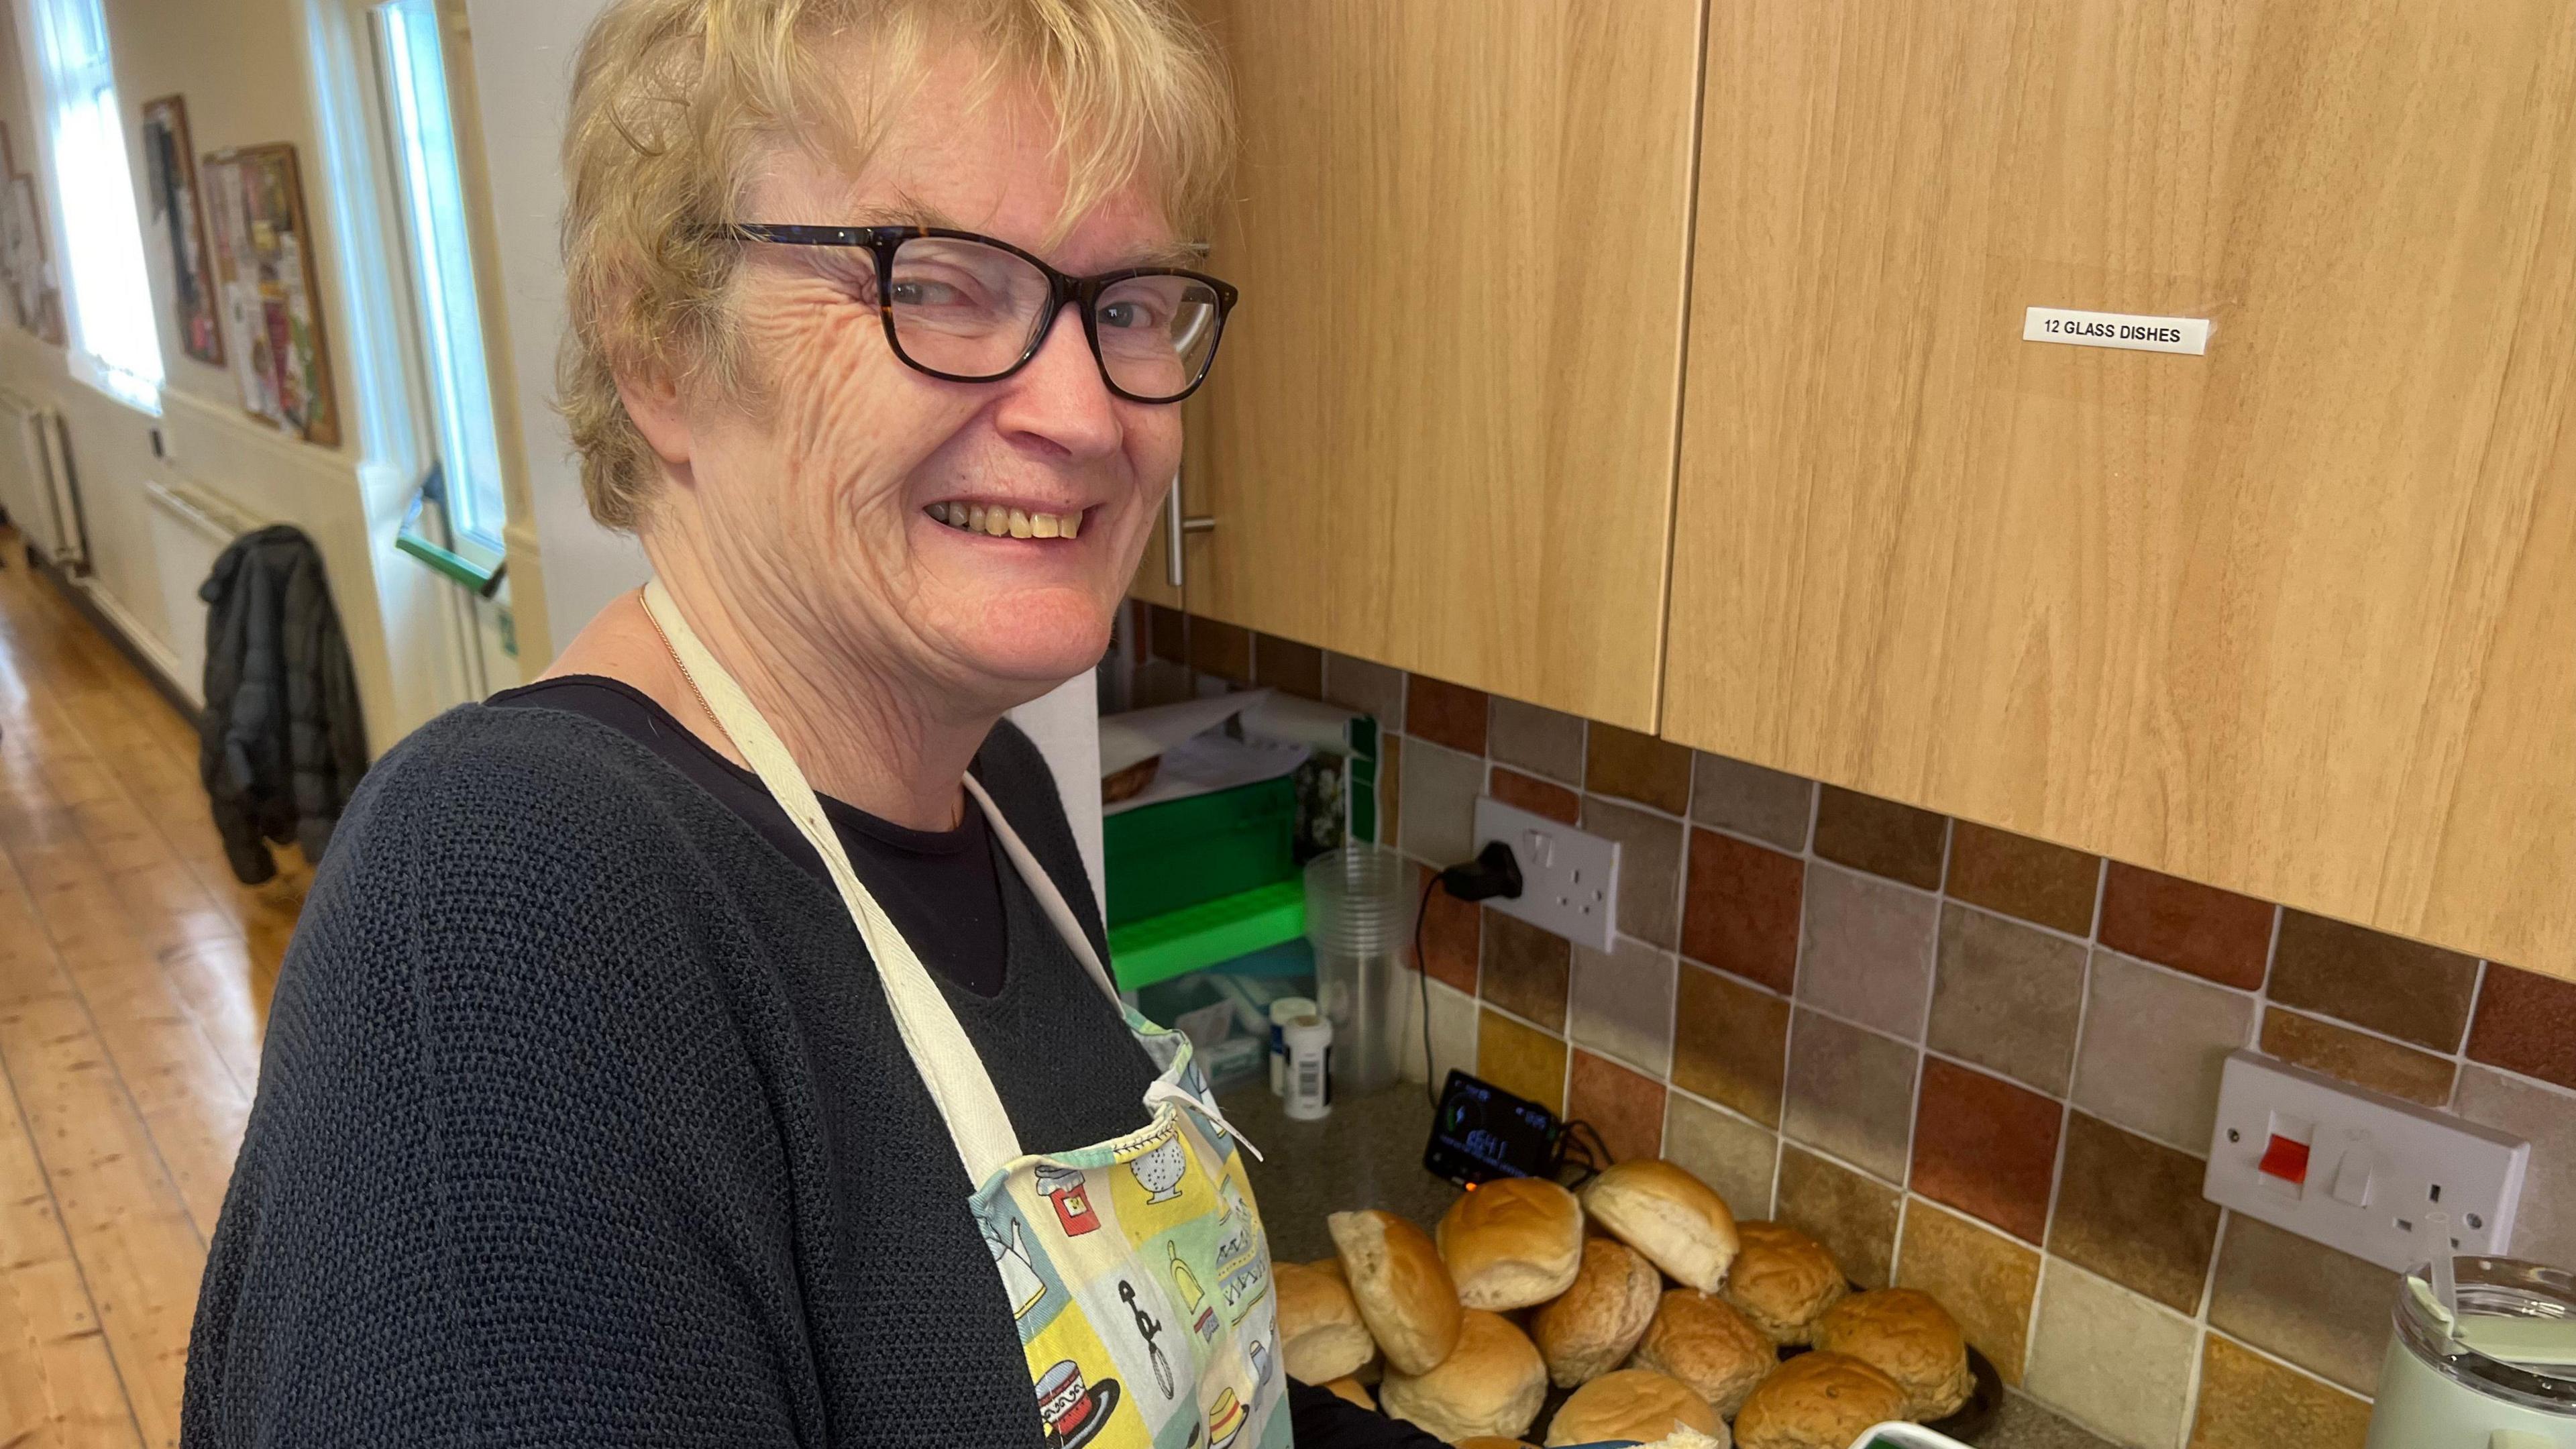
x=1136, y=1267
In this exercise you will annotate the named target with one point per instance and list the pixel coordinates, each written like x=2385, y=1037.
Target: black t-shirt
x=942, y=888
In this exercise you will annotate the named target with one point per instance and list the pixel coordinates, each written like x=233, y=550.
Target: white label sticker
x=2117, y=329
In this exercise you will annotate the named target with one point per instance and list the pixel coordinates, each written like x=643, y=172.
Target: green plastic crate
x=1181, y=853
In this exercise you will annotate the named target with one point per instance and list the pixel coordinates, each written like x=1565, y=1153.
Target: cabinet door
x=2296, y=617
x=1441, y=433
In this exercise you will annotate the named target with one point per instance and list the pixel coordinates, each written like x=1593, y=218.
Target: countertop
x=1368, y=1154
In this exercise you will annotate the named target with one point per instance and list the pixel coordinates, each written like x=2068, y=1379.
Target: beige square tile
x=1650, y=868
x=2545, y=1228
x=1438, y=817
x=2115, y=1362
x=1536, y=739
x=1453, y=1031
x=1851, y=1092
x=1730, y=1154
x=1867, y=950
x=2323, y=1310
x=1370, y=688
x=2007, y=996
x=2153, y=1045
x=1623, y=1004
x=1751, y=800
x=1985, y=1279
x=1521, y=1059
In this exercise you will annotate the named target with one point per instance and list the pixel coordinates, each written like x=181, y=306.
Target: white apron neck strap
x=940, y=1050
x=1059, y=911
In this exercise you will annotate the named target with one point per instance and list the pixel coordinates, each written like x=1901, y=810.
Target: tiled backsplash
x=1969, y=1062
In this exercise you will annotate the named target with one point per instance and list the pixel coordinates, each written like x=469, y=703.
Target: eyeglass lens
x=970, y=310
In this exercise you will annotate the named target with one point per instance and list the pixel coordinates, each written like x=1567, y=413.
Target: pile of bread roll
x=1643, y=1295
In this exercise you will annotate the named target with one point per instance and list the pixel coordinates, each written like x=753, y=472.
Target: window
x=115, y=343
x=420, y=133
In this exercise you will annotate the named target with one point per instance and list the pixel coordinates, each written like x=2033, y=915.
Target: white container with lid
x=1309, y=1085
x=1283, y=1011
x=2437, y=1392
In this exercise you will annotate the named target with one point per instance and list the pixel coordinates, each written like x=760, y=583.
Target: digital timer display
x=1483, y=1132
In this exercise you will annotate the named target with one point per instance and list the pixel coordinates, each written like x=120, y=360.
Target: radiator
x=36, y=483
x=190, y=527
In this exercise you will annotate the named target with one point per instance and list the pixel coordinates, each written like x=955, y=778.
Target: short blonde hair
x=675, y=101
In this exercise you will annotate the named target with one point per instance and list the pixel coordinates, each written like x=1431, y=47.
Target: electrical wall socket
x=1569, y=880
x=2355, y=1169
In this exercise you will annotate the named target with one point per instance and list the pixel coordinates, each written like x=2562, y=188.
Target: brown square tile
x=1625, y=1107
x=2401, y=988
x=1637, y=767
x=1734, y=1156
x=1650, y=868
x=2249, y=1402
x=1289, y=665
x=1375, y=690
x=1167, y=633
x=1445, y=713
x=2131, y=1210
x=1866, y=950
x=1622, y=1004
x=2526, y=1023
x=1539, y=740
x=1526, y=969
x=1741, y=909
x=1521, y=1059
x=2022, y=877
x=1537, y=796
x=1751, y=800
x=1850, y=1092
x=2007, y=997
x=2545, y=1230
x=1986, y=1146
x=1224, y=650
x=1730, y=1043
x=1854, y=1217
x=1452, y=938
x=2367, y=1061
x=1986, y=1280
x=1880, y=836
x=1162, y=681
x=2154, y=1046
x=2196, y=928
x=2323, y=1310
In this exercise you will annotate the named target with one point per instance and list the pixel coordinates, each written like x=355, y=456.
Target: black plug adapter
x=1494, y=872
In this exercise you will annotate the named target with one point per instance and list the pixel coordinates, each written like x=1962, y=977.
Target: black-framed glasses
x=971, y=308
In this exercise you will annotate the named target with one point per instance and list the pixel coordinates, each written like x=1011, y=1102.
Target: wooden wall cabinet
x=1442, y=431
x=2297, y=617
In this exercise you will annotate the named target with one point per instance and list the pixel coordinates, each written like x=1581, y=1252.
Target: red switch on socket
x=2286, y=1160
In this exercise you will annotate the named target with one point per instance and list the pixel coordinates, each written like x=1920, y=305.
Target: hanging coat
x=281, y=744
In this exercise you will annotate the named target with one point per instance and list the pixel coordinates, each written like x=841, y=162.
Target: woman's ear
x=652, y=401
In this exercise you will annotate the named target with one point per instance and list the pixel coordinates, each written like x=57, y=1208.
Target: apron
x=1136, y=1267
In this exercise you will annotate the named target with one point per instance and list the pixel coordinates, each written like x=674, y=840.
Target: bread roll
x=1321, y=1337
x=1350, y=1390
x=1491, y=1383
x=1594, y=1324
x=1668, y=1215
x=1817, y=1401
x=1513, y=1242
x=1909, y=1337
x=1401, y=1286
x=1709, y=1346
x=1781, y=1280
x=1638, y=1404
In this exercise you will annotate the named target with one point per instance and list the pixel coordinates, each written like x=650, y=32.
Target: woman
x=665, y=1047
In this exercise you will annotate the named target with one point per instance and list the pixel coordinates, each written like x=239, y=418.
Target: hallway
x=134, y=982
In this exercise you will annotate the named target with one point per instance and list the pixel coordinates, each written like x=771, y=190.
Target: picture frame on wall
x=269, y=295
x=178, y=221
x=35, y=303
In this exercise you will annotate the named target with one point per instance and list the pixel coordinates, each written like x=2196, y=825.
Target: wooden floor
x=134, y=981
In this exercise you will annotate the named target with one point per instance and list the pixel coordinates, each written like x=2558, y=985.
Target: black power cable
x=1494, y=872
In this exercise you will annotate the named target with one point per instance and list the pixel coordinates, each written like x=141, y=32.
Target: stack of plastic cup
x=1359, y=915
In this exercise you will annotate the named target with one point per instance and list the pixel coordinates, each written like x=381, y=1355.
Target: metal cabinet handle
x=1176, y=527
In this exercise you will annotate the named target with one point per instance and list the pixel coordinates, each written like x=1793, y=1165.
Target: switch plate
x=2401, y=1160
x=1569, y=880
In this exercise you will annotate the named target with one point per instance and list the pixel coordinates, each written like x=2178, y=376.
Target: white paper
x=1141, y=734
x=1207, y=763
